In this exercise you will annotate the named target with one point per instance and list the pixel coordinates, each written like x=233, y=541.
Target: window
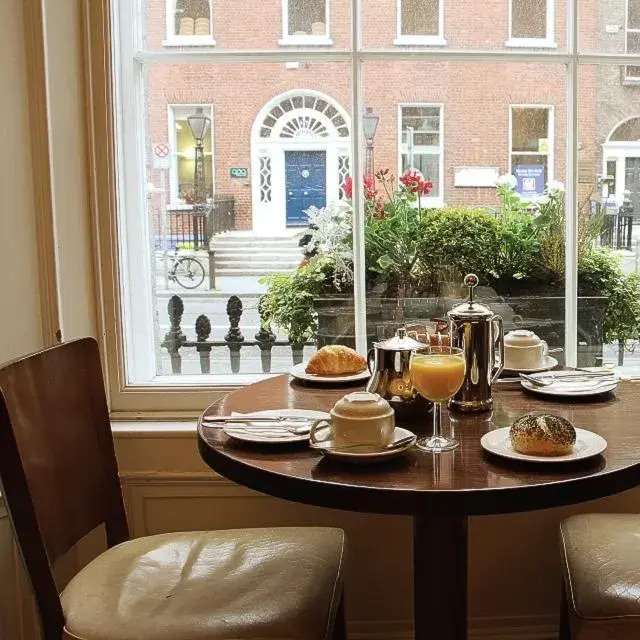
x=420, y=22
x=531, y=23
x=290, y=142
x=189, y=22
x=632, y=73
x=531, y=135
x=305, y=22
x=182, y=146
x=421, y=145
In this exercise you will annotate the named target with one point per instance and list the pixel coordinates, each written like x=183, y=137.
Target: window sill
x=530, y=43
x=179, y=206
x=189, y=41
x=305, y=41
x=144, y=428
x=420, y=41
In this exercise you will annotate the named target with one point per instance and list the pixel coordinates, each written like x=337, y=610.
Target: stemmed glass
x=437, y=372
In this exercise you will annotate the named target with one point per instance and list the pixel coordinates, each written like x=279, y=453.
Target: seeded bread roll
x=542, y=435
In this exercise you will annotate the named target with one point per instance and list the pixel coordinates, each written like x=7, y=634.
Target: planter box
x=544, y=315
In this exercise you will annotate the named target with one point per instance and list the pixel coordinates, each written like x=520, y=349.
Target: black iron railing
x=175, y=341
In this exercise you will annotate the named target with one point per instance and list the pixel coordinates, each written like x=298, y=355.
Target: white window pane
x=530, y=128
x=634, y=14
x=529, y=18
x=609, y=180
x=307, y=18
x=425, y=122
x=420, y=17
x=192, y=18
x=269, y=165
x=429, y=166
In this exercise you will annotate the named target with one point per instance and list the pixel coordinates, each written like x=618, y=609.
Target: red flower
x=348, y=187
x=414, y=182
x=369, y=188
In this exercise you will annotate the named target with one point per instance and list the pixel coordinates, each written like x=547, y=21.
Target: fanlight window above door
x=304, y=117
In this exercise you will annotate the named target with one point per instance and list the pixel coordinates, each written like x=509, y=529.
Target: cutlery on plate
x=398, y=444
x=275, y=430
x=547, y=381
x=246, y=419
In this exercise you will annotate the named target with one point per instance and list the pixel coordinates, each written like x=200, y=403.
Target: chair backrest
x=58, y=469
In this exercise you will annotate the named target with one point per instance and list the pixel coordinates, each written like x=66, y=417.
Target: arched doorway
x=621, y=161
x=300, y=145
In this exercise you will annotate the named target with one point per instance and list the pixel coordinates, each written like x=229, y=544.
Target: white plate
x=362, y=457
x=549, y=363
x=266, y=434
x=572, y=389
x=587, y=444
x=298, y=371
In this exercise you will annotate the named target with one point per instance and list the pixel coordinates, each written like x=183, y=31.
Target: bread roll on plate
x=542, y=435
x=335, y=360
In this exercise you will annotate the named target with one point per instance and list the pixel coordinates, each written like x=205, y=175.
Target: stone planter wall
x=544, y=315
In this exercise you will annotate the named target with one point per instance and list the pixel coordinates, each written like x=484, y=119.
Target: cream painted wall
x=20, y=329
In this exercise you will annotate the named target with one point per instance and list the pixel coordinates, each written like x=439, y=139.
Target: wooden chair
x=60, y=481
x=601, y=563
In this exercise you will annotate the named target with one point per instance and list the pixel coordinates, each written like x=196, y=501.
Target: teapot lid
x=470, y=308
x=400, y=342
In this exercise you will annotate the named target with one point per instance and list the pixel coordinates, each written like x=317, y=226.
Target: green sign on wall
x=241, y=173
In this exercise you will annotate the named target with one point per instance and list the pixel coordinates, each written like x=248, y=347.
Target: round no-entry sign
x=161, y=150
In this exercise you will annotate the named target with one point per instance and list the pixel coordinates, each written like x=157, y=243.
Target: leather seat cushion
x=219, y=585
x=602, y=567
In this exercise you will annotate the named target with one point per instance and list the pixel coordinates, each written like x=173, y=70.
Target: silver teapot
x=390, y=376
x=480, y=332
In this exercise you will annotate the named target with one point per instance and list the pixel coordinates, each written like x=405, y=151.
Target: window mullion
x=571, y=204
x=359, y=283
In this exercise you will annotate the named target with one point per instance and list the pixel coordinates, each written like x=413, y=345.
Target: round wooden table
x=440, y=491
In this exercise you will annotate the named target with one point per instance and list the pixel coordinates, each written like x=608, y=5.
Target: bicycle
x=187, y=271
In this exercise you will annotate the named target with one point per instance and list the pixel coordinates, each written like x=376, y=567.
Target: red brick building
x=288, y=124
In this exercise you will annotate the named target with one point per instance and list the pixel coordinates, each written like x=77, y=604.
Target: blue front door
x=306, y=178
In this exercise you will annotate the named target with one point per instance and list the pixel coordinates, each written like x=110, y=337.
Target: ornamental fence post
x=174, y=339
x=203, y=331
x=265, y=338
x=234, y=337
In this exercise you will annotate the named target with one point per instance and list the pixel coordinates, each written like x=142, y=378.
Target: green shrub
x=456, y=241
x=600, y=274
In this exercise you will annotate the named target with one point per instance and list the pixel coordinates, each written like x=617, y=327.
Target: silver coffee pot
x=390, y=376
x=480, y=332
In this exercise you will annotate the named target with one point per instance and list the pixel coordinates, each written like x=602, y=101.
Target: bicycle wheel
x=189, y=273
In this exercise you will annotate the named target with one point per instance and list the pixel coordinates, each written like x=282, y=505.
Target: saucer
x=548, y=364
x=361, y=456
x=588, y=444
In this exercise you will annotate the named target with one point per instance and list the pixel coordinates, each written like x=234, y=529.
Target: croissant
x=335, y=359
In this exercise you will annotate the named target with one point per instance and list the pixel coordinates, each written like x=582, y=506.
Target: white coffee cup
x=524, y=350
x=358, y=418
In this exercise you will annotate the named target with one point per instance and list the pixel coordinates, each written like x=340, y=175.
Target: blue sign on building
x=530, y=179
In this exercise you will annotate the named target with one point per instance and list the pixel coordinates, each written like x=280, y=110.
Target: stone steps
x=242, y=253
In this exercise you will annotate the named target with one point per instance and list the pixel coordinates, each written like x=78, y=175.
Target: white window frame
x=117, y=180
x=548, y=42
x=437, y=40
x=289, y=40
x=627, y=78
x=175, y=203
x=551, y=138
x=174, y=40
x=428, y=200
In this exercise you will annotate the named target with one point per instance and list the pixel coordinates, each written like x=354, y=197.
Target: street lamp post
x=199, y=124
x=370, y=121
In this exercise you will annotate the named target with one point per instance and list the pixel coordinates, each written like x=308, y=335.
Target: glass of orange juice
x=437, y=372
